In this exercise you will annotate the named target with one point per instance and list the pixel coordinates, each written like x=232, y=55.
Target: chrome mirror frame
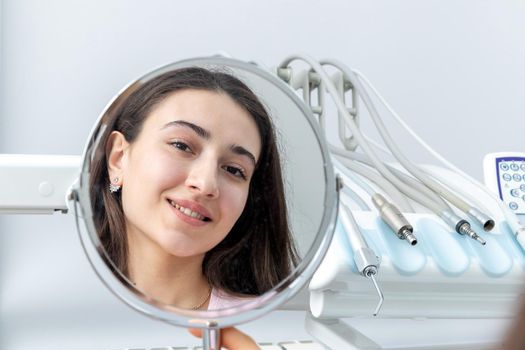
x=251, y=309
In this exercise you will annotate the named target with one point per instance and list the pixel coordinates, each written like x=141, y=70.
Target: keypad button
x=507, y=177
x=504, y=166
x=514, y=167
x=516, y=177
x=523, y=197
x=522, y=187
x=515, y=192
x=513, y=205
x=522, y=166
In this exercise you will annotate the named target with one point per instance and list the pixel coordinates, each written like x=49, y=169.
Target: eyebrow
x=197, y=129
x=205, y=134
x=243, y=152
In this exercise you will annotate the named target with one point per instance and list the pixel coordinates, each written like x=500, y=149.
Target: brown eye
x=181, y=146
x=237, y=172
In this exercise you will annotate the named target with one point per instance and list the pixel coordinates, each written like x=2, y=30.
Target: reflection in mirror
x=206, y=187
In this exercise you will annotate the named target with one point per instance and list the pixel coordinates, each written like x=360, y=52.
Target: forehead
x=214, y=111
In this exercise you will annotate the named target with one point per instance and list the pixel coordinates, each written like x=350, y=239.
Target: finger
x=231, y=339
x=234, y=339
x=196, y=332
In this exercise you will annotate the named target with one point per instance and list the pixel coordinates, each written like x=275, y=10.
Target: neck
x=172, y=280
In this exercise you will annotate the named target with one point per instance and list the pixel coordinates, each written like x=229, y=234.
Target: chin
x=183, y=250
x=183, y=247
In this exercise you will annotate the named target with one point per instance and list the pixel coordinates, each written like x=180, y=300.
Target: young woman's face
x=185, y=179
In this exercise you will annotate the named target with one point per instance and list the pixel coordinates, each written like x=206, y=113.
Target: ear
x=116, y=150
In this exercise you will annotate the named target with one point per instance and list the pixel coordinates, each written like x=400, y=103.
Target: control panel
x=505, y=174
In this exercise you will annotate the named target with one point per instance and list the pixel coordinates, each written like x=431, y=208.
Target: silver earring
x=113, y=188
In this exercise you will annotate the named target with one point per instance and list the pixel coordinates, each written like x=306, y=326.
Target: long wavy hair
x=259, y=250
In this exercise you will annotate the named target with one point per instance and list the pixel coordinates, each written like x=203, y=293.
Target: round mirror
x=206, y=195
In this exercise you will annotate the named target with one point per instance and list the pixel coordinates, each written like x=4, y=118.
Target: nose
x=202, y=178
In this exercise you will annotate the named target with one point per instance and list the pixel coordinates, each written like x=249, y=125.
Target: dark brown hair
x=259, y=251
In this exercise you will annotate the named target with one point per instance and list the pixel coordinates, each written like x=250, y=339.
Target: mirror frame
x=212, y=319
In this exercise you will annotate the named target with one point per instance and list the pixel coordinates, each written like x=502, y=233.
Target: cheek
x=154, y=172
x=233, y=204
x=145, y=180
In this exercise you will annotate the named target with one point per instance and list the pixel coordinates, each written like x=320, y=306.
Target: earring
x=114, y=188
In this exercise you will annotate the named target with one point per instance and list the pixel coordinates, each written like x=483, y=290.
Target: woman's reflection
x=187, y=191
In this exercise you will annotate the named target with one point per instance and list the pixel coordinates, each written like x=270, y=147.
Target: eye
x=235, y=171
x=181, y=146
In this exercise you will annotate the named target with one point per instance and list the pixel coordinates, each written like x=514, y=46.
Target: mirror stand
x=211, y=339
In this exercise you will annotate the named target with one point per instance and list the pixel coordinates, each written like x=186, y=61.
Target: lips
x=191, y=209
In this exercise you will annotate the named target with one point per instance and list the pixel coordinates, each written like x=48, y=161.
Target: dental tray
x=445, y=275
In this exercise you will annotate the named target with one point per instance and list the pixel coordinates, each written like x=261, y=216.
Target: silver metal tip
x=480, y=240
x=379, y=292
x=409, y=237
x=465, y=229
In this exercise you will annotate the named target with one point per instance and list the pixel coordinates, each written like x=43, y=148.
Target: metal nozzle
x=486, y=222
x=463, y=227
x=394, y=219
x=409, y=236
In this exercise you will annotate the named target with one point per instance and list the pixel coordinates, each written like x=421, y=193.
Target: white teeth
x=187, y=211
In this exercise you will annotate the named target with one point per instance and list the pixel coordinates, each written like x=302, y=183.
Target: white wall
x=453, y=69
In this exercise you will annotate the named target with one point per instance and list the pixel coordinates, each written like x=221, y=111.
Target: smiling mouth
x=189, y=212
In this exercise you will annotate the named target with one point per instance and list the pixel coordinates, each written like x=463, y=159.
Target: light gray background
x=453, y=69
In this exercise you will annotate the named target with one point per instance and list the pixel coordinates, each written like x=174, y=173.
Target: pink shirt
x=223, y=304
x=219, y=299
